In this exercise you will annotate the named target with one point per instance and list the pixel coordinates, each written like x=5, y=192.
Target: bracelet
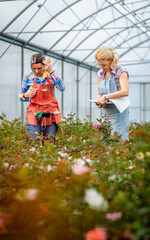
x=52, y=72
x=24, y=96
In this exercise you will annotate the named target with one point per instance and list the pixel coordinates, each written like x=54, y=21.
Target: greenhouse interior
x=67, y=172
x=69, y=33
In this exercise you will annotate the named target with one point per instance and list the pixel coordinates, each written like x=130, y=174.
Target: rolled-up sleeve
x=24, y=89
x=58, y=82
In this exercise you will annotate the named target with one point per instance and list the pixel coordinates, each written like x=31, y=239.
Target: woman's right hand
x=30, y=93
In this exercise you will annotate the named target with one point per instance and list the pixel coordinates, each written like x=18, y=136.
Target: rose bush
x=87, y=185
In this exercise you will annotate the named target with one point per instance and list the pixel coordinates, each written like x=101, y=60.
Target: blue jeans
x=49, y=130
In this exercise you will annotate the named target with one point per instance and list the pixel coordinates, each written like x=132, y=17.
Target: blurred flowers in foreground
x=97, y=125
x=114, y=216
x=29, y=195
x=88, y=185
x=96, y=234
x=95, y=200
x=79, y=169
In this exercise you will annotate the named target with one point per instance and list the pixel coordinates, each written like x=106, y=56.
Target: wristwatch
x=106, y=99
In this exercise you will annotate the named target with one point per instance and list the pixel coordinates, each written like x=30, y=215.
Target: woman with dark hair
x=112, y=84
x=43, y=112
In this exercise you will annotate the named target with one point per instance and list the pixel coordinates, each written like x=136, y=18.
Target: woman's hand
x=48, y=66
x=30, y=93
x=101, y=103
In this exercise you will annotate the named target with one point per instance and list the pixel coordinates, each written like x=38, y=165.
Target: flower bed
x=87, y=185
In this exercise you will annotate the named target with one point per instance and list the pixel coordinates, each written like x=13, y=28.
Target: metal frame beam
x=71, y=29
x=119, y=45
x=118, y=18
x=18, y=15
x=56, y=15
x=109, y=38
x=136, y=45
x=77, y=25
x=36, y=48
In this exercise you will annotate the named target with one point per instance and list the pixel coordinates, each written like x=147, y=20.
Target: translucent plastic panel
x=146, y=95
x=134, y=114
x=46, y=40
x=3, y=47
x=134, y=94
x=105, y=16
x=56, y=25
x=37, y=17
x=27, y=57
x=137, y=70
x=10, y=82
x=95, y=110
x=129, y=55
x=65, y=42
x=30, y=20
x=87, y=8
x=136, y=4
x=67, y=17
x=91, y=59
x=97, y=38
x=137, y=41
x=80, y=54
x=25, y=36
x=84, y=92
x=9, y=9
x=70, y=94
x=147, y=115
x=56, y=6
x=57, y=67
x=78, y=38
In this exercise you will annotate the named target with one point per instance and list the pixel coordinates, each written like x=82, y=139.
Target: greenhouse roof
x=73, y=30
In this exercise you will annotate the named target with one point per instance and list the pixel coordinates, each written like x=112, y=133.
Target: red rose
x=96, y=234
x=68, y=133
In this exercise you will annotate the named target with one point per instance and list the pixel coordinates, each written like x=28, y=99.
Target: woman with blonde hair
x=112, y=83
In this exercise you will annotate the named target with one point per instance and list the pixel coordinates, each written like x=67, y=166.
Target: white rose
x=95, y=200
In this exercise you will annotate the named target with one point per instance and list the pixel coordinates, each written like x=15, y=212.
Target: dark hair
x=37, y=58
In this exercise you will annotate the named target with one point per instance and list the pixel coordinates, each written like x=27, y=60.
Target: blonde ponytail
x=107, y=54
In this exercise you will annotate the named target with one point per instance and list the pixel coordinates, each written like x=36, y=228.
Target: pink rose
x=79, y=169
x=114, y=216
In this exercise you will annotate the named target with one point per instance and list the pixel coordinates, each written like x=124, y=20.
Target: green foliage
x=43, y=188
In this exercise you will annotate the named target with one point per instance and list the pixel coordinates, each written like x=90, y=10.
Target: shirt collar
x=34, y=76
x=114, y=71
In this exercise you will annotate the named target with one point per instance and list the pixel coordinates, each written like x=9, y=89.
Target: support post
x=90, y=112
x=22, y=73
x=141, y=102
x=62, y=94
x=77, y=106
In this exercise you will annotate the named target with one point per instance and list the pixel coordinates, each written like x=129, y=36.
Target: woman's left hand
x=47, y=66
x=101, y=103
